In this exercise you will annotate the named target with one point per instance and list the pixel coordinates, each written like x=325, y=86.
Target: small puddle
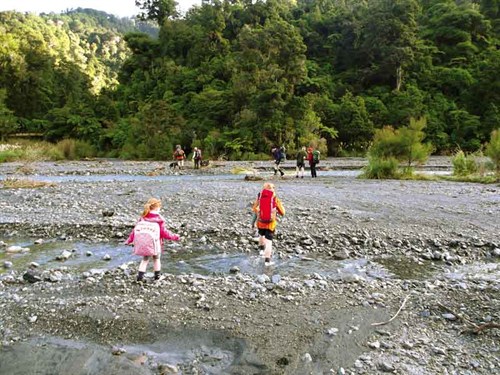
x=207, y=352
x=406, y=269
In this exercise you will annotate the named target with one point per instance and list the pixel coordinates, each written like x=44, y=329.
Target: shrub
x=393, y=146
x=463, y=165
x=493, y=150
x=382, y=168
x=72, y=149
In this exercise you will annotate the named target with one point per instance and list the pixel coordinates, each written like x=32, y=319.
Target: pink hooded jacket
x=164, y=233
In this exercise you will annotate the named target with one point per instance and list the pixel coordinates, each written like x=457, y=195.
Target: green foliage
x=8, y=122
x=71, y=149
x=382, y=168
x=463, y=165
x=237, y=77
x=403, y=145
x=493, y=150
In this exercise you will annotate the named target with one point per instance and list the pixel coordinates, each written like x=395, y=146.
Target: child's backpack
x=267, y=207
x=316, y=156
x=147, y=238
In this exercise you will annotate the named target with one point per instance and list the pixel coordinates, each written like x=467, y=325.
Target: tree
x=157, y=10
x=8, y=122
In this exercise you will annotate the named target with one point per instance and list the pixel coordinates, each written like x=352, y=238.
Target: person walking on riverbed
x=301, y=157
x=147, y=238
x=267, y=206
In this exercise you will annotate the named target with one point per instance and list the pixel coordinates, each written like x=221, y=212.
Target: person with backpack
x=179, y=156
x=267, y=206
x=279, y=157
x=313, y=156
x=147, y=238
x=197, y=158
x=301, y=157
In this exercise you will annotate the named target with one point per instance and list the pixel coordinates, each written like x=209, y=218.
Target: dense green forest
x=235, y=77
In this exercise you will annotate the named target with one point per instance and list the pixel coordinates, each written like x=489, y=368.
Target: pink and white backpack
x=147, y=238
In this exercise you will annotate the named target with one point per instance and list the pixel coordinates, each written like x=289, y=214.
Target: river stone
x=65, y=255
x=106, y=257
x=262, y=279
x=332, y=331
x=341, y=254
x=449, y=316
x=7, y=264
x=385, y=366
x=14, y=249
x=39, y=241
x=275, y=279
x=234, y=269
x=496, y=252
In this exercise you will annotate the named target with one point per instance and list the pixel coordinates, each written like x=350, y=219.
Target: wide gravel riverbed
x=419, y=257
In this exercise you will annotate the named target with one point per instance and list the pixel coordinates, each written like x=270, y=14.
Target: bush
x=10, y=155
x=493, y=150
x=382, y=168
x=71, y=149
x=463, y=165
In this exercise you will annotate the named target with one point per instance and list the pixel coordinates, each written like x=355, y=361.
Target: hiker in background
x=197, y=158
x=312, y=163
x=301, y=157
x=179, y=156
x=279, y=157
x=147, y=238
x=267, y=206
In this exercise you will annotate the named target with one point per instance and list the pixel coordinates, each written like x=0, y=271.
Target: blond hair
x=268, y=186
x=150, y=205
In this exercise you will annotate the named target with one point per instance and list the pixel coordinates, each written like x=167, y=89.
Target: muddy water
x=210, y=352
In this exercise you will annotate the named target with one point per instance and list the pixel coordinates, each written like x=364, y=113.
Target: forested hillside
x=237, y=76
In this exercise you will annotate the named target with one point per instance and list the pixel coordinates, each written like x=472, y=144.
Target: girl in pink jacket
x=151, y=214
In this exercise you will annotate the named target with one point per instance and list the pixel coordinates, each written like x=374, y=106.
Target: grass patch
x=489, y=179
x=21, y=183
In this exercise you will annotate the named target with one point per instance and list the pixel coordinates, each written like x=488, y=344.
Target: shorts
x=267, y=233
x=301, y=164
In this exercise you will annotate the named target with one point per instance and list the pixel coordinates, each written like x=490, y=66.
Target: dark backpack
x=267, y=208
x=197, y=154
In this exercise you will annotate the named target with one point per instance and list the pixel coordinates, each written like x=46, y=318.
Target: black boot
x=140, y=276
x=157, y=275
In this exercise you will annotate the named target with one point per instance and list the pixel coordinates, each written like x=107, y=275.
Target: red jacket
x=164, y=233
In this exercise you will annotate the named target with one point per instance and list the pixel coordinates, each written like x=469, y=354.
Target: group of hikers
x=150, y=231
x=180, y=156
x=278, y=153
x=309, y=154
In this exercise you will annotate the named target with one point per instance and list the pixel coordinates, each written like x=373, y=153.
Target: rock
x=34, y=265
x=496, y=252
x=374, y=345
x=385, y=366
x=307, y=358
x=168, y=369
x=262, y=279
x=108, y=213
x=341, y=254
x=55, y=277
x=7, y=264
x=14, y=249
x=106, y=257
x=39, y=241
x=275, y=279
x=89, y=253
x=449, y=316
x=234, y=269
x=65, y=255
x=332, y=331
x=118, y=351
x=31, y=278
x=32, y=318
